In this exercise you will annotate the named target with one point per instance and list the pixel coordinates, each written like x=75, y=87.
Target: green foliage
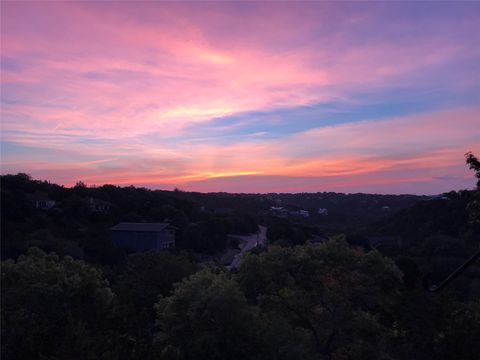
x=411, y=272
x=332, y=293
x=138, y=284
x=283, y=232
x=209, y=236
x=438, y=236
x=207, y=317
x=53, y=308
x=244, y=224
x=460, y=338
x=434, y=327
x=150, y=274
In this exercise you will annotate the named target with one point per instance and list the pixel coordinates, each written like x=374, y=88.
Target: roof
x=150, y=227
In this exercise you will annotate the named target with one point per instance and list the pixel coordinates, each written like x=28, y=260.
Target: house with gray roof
x=143, y=236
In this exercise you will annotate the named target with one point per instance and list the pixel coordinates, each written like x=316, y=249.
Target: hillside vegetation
x=347, y=285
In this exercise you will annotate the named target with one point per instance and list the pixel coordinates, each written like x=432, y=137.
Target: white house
x=322, y=211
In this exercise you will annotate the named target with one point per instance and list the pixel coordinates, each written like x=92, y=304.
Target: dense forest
x=347, y=283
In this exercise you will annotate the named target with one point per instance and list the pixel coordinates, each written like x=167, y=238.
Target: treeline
x=430, y=240
x=345, y=211
x=72, y=227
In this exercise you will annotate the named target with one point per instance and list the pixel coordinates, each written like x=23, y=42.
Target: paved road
x=252, y=240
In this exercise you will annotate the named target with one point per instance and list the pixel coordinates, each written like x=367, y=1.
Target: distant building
x=97, y=205
x=438, y=197
x=42, y=201
x=278, y=211
x=143, y=236
x=300, y=213
x=322, y=211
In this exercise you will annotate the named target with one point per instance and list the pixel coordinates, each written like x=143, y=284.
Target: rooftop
x=140, y=226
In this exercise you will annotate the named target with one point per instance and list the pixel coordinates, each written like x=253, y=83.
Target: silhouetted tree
x=53, y=308
x=332, y=293
x=207, y=317
x=474, y=164
x=474, y=205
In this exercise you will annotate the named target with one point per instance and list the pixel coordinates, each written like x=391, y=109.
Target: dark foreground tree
x=339, y=298
x=53, y=308
x=207, y=317
x=137, y=286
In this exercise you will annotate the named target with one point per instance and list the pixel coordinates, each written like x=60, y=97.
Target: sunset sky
x=242, y=97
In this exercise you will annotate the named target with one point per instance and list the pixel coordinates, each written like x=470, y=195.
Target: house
x=97, y=205
x=438, y=197
x=322, y=211
x=300, y=213
x=41, y=201
x=143, y=236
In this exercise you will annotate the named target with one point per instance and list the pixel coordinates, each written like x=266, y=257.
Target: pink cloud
x=188, y=71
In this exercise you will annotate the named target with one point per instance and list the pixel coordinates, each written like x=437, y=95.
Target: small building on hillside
x=41, y=201
x=438, y=197
x=143, y=236
x=322, y=211
x=300, y=213
x=97, y=205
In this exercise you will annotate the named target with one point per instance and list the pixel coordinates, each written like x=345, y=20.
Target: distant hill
x=436, y=235
x=75, y=220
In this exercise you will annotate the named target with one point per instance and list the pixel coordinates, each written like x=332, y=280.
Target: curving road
x=259, y=238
